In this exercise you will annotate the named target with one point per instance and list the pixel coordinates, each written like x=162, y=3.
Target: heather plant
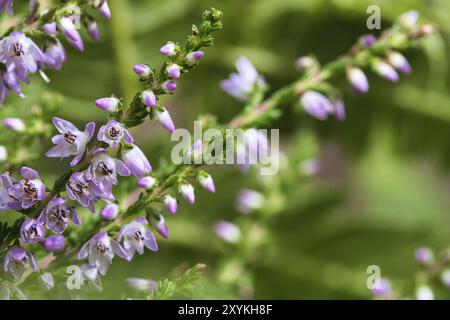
x=111, y=203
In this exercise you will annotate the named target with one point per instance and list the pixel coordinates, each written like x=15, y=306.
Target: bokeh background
x=384, y=184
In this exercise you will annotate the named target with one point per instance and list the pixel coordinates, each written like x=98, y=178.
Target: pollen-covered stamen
x=32, y=232
x=29, y=188
x=103, y=170
x=79, y=187
x=114, y=132
x=59, y=214
x=101, y=248
x=138, y=235
x=70, y=137
x=17, y=48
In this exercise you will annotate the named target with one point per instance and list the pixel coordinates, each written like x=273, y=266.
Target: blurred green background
x=384, y=186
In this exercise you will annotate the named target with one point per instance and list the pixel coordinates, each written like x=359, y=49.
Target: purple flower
x=14, y=124
x=317, y=104
x=110, y=104
x=71, y=33
x=7, y=5
x=173, y=70
x=70, y=141
x=358, y=80
x=22, y=52
x=83, y=191
x=163, y=117
x=9, y=81
x=194, y=57
x=399, y=62
x=148, y=98
x=409, y=19
x=187, y=191
x=6, y=181
x=110, y=211
x=58, y=214
x=104, y=169
x=240, y=85
x=50, y=28
x=304, y=63
x=32, y=231
x=157, y=220
x=104, y=9
x=227, y=231
x=142, y=70
x=92, y=30
x=113, y=132
x=146, y=182
x=136, y=161
x=26, y=192
x=55, y=55
x=168, y=49
x=136, y=237
x=382, y=289
x=100, y=250
x=367, y=40
x=424, y=255
x=207, y=182
x=17, y=260
x=54, y=243
x=169, y=86
x=384, y=70
x=171, y=204
x=249, y=200
x=339, y=110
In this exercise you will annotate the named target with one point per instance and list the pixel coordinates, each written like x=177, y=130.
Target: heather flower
x=148, y=98
x=424, y=292
x=399, y=62
x=367, y=40
x=227, y=231
x=339, y=110
x=14, y=124
x=110, y=104
x=104, y=169
x=146, y=182
x=207, y=182
x=142, y=70
x=110, y=211
x=100, y=250
x=136, y=237
x=7, y=5
x=50, y=28
x=20, y=51
x=54, y=243
x=317, y=104
x=157, y=220
x=70, y=141
x=83, y=191
x=57, y=215
x=55, y=55
x=113, y=132
x=187, y=191
x=169, y=86
x=240, y=85
x=9, y=81
x=26, y=192
x=6, y=181
x=382, y=289
x=194, y=57
x=3, y=154
x=163, y=117
x=168, y=49
x=304, y=63
x=17, y=260
x=171, y=204
x=358, y=80
x=173, y=70
x=71, y=33
x=104, y=10
x=136, y=161
x=249, y=200
x=384, y=70
x=32, y=231
x=92, y=30
x=424, y=255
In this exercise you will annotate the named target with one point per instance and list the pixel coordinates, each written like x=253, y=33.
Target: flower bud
x=399, y=62
x=206, y=181
x=227, y=231
x=157, y=220
x=50, y=28
x=110, y=211
x=424, y=255
x=385, y=70
x=173, y=70
x=71, y=33
x=187, y=191
x=367, y=40
x=14, y=124
x=171, y=204
x=92, y=30
x=3, y=154
x=163, y=117
x=169, y=86
x=148, y=98
x=304, y=63
x=104, y=10
x=194, y=57
x=316, y=104
x=249, y=200
x=110, y=104
x=146, y=182
x=168, y=49
x=358, y=80
x=408, y=19
x=339, y=110
x=142, y=70
x=54, y=243
x=136, y=161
